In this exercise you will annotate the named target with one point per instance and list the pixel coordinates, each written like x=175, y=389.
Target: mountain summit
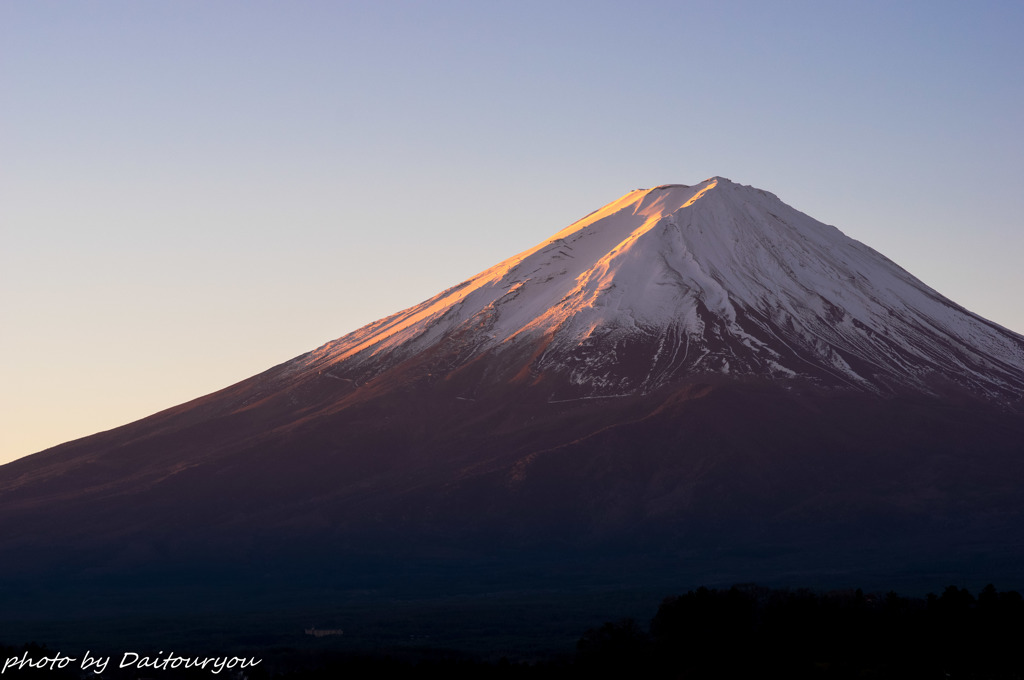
x=680, y=281
x=686, y=377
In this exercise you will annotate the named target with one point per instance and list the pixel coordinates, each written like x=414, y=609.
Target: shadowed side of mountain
x=702, y=478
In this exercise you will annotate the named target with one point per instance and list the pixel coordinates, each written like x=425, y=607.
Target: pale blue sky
x=191, y=192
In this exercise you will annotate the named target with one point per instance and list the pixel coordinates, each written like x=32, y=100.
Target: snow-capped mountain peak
x=716, y=278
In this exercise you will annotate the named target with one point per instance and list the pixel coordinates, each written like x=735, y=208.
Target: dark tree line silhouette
x=749, y=630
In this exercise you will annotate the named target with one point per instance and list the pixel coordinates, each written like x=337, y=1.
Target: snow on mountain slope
x=718, y=278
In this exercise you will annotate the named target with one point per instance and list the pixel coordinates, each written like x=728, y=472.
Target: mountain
x=699, y=379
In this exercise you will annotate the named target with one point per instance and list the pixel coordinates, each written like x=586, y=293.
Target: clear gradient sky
x=192, y=192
